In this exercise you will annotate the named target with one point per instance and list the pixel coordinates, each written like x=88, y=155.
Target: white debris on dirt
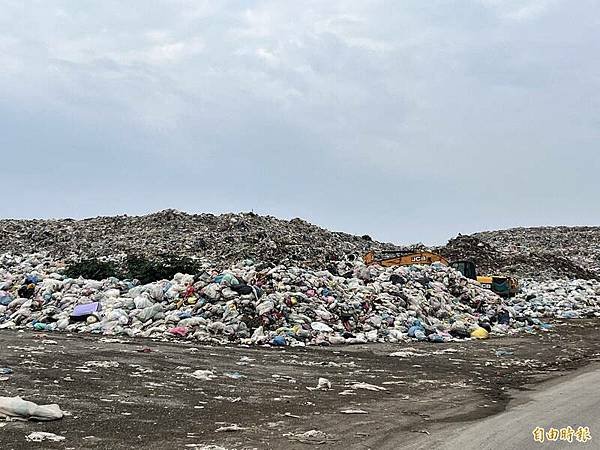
x=314, y=437
x=102, y=364
x=15, y=408
x=206, y=447
x=39, y=436
x=367, y=386
x=407, y=353
x=232, y=427
x=322, y=384
x=204, y=375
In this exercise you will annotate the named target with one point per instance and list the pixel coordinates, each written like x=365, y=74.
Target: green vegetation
x=134, y=267
x=92, y=269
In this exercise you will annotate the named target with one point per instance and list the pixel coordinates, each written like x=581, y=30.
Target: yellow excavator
x=501, y=285
x=391, y=258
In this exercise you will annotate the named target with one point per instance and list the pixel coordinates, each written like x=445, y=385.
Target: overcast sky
x=407, y=120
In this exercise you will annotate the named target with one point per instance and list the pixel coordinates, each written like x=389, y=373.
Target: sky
x=410, y=121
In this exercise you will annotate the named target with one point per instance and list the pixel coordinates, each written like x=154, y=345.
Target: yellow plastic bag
x=480, y=333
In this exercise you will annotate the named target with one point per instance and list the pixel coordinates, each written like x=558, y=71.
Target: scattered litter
x=367, y=386
x=39, y=436
x=113, y=341
x=504, y=352
x=233, y=427
x=229, y=399
x=102, y=364
x=205, y=447
x=234, y=375
x=314, y=437
x=406, y=354
x=322, y=384
x=205, y=375
x=347, y=392
x=354, y=411
x=17, y=408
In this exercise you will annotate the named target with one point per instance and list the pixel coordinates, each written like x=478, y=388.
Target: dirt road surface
x=122, y=393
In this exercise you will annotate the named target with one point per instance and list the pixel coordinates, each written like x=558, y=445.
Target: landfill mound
x=225, y=239
x=540, y=253
x=507, y=252
x=580, y=245
x=573, y=299
x=251, y=304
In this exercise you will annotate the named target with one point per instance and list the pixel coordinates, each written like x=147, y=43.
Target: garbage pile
x=542, y=253
x=464, y=247
x=581, y=245
x=225, y=239
x=253, y=304
x=545, y=261
x=575, y=299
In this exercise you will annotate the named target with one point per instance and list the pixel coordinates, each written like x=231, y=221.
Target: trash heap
x=580, y=244
x=495, y=253
x=562, y=299
x=542, y=253
x=253, y=304
x=225, y=239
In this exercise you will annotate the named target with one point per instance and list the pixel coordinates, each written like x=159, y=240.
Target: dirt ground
x=122, y=393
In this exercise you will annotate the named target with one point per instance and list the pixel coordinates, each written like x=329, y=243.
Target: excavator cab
x=467, y=268
x=501, y=285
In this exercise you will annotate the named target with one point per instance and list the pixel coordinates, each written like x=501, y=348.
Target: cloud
x=521, y=10
x=339, y=111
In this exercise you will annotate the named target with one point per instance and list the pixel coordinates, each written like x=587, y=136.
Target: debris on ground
x=40, y=436
x=233, y=427
x=15, y=408
x=314, y=437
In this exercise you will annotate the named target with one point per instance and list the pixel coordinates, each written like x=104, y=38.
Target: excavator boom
x=405, y=259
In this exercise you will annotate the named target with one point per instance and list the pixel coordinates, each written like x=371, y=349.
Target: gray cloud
x=408, y=121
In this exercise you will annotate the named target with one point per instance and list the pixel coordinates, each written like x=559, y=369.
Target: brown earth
x=150, y=400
